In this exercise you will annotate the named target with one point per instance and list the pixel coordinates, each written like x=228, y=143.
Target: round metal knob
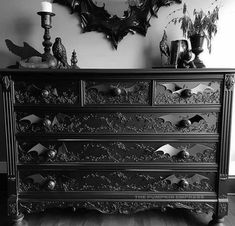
x=183, y=183
x=51, y=184
x=185, y=123
x=47, y=122
x=116, y=91
x=186, y=93
x=45, y=93
x=51, y=154
x=184, y=154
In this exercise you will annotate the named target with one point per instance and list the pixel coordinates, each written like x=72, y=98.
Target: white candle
x=46, y=7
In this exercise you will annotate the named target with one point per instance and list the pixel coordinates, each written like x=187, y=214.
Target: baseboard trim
x=3, y=167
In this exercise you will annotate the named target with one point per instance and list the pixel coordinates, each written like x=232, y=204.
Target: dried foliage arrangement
x=201, y=23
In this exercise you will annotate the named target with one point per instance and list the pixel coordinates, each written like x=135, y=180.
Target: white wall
x=19, y=22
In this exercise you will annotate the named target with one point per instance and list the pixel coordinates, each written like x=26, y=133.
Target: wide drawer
x=46, y=92
x=187, y=92
x=117, y=92
x=115, y=151
x=117, y=123
x=36, y=181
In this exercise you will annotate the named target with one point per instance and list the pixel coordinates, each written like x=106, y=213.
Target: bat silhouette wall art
x=134, y=20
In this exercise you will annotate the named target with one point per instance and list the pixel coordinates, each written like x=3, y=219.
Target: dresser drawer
x=117, y=92
x=115, y=151
x=115, y=181
x=46, y=92
x=118, y=123
x=195, y=92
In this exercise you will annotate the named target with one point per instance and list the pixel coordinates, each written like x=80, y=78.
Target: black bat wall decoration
x=135, y=19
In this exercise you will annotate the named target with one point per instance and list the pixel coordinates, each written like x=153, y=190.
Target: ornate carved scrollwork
x=201, y=93
x=229, y=81
x=12, y=209
x=6, y=81
x=116, y=181
x=124, y=207
x=117, y=123
x=135, y=19
x=116, y=152
x=117, y=92
x=223, y=209
x=31, y=93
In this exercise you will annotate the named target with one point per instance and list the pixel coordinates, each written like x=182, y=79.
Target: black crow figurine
x=59, y=52
x=24, y=52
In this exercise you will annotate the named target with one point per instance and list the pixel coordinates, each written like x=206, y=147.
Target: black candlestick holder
x=46, y=24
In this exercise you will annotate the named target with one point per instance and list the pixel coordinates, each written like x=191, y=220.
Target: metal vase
x=177, y=48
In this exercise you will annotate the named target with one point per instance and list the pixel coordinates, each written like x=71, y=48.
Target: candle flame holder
x=46, y=18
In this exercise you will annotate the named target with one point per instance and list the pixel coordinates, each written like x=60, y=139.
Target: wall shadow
x=151, y=57
x=23, y=27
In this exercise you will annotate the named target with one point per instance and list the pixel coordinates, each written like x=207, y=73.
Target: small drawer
x=115, y=151
x=46, y=92
x=118, y=123
x=117, y=92
x=196, y=92
x=149, y=181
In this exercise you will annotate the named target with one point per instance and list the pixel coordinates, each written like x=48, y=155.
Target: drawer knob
x=51, y=154
x=45, y=93
x=116, y=91
x=184, y=154
x=185, y=123
x=186, y=93
x=183, y=183
x=47, y=122
x=51, y=184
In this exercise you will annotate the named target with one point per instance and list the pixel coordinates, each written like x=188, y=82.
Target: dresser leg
x=216, y=221
x=14, y=214
x=17, y=218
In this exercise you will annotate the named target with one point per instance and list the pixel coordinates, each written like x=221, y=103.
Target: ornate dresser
x=117, y=141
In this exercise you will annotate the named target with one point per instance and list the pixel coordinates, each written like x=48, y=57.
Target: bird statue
x=164, y=48
x=59, y=52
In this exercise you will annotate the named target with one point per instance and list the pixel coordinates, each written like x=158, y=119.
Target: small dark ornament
x=164, y=48
x=74, y=60
x=186, y=60
x=59, y=52
x=135, y=19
